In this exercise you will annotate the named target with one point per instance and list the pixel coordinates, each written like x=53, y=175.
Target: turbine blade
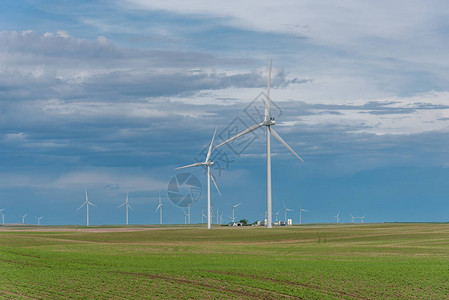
x=121, y=205
x=249, y=129
x=213, y=180
x=192, y=165
x=92, y=204
x=267, y=101
x=130, y=207
x=237, y=204
x=284, y=143
x=210, y=146
x=82, y=205
x=288, y=209
x=159, y=206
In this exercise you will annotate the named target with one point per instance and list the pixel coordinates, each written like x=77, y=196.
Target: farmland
x=346, y=261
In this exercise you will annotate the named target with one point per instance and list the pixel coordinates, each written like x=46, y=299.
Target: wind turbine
x=202, y=216
x=39, y=220
x=207, y=163
x=362, y=218
x=267, y=122
x=188, y=210
x=300, y=211
x=160, y=209
x=87, y=203
x=285, y=211
x=277, y=215
x=185, y=216
x=23, y=218
x=3, y=216
x=352, y=218
x=233, y=207
x=337, y=216
x=126, y=203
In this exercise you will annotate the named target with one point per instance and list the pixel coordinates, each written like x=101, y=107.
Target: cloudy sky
x=111, y=96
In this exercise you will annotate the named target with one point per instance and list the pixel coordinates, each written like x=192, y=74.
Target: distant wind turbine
x=300, y=211
x=185, y=216
x=277, y=215
x=87, y=203
x=208, y=162
x=202, y=216
x=126, y=203
x=188, y=210
x=285, y=211
x=23, y=218
x=337, y=216
x=362, y=218
x=160, y=209
x=352, y=218
x=233, y=207
x=268, y=122
x=3, y=215
x=39, y=220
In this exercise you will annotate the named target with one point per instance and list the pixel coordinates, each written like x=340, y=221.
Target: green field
x=376, y=261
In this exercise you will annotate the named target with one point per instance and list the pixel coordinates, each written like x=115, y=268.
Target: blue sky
x=112, y=96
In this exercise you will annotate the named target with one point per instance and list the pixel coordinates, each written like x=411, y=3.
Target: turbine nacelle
x=269, y=122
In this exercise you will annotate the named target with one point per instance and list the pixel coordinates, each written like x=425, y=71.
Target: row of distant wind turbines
x=160, y=206
x=23, y=217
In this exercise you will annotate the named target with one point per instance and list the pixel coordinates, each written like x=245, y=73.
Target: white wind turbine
x=160, y=209
x=267, y=122
x=23, y=218
x=352, y=218
x=39, y=220
x=233, y=207
x=337, y=216
x=185, y=216
x=300, y=212
x=362, y=218
x=87, y=203
x=3, y=215
x=285, y=211
x=277, y=215
x=188, y=210
x=126, y=203
x=207, y=163
x=202, y=216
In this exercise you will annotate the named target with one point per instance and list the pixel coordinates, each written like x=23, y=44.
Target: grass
x=376, y=261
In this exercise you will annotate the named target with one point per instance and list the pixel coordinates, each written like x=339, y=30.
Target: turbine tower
x=87, y=203
x=233, y=207
x=39, y=220
x=207, y=163
x=337, y=216
x=3, y=215
x=300, y=211
x=362, y=218
x=268, y=122
x=23, y=218
x=126, y=203
x=160, y=209
x=285, y=211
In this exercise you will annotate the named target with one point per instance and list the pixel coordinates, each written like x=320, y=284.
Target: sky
x=112, y=96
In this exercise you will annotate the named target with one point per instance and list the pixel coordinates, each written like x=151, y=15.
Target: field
x=352, y=261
